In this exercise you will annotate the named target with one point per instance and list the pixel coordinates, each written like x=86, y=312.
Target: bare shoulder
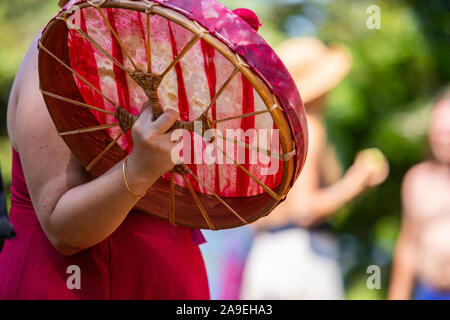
x=417, y=189
x=48, y=164
x=416, y=175
x=25, y=89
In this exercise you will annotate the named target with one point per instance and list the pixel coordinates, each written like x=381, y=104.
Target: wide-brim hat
x=315, y=67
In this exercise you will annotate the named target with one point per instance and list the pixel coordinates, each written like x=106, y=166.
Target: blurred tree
x=20, y=22
x=385, y=102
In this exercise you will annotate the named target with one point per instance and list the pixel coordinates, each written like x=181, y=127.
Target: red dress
x=145, y=258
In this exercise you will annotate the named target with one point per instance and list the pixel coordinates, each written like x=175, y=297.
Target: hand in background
x=373, y=165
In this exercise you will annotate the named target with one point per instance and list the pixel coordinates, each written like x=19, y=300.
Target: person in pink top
x=79, y=238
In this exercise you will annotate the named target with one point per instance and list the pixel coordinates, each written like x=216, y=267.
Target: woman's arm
x=403, y=268
x=404, y=262
x=315, y=203
x=307, y=202
x=74, y=212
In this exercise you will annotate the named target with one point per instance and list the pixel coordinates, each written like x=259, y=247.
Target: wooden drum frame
x=98, y=152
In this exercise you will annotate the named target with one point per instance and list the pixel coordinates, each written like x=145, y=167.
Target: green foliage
x=384, y=102
x=20, y=22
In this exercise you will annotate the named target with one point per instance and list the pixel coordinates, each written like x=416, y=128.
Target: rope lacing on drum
x=96, y=3
x=149, y=9
x=288, y=156
x=125, y=119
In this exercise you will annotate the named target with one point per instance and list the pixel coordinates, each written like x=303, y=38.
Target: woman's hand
x=372, y=166
x=152, y=147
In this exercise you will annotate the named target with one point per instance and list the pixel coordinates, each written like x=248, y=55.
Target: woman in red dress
x=79, y=238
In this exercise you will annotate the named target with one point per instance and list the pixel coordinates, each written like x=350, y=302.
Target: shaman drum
x=246, y=140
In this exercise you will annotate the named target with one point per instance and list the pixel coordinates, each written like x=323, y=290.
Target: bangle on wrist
x=137, y=196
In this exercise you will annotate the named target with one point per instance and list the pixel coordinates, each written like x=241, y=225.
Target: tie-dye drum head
x=242, y=122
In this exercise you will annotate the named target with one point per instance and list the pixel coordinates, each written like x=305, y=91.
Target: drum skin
x=189, y=86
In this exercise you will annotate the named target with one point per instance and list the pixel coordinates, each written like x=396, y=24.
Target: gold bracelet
x=137, y=196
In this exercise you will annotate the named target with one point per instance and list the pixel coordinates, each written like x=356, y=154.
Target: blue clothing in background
x=426, y=292
x=225, y=253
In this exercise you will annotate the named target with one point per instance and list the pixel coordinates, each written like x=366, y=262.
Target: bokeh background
x=384, y=102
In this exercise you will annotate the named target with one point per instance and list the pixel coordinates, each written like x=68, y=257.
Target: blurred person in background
x=422, y=256
x=294, y=253
x=226, y=250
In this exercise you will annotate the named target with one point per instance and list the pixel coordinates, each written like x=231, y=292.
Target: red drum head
x=246, y=138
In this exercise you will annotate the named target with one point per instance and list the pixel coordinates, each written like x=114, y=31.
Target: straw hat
x=315, y=67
